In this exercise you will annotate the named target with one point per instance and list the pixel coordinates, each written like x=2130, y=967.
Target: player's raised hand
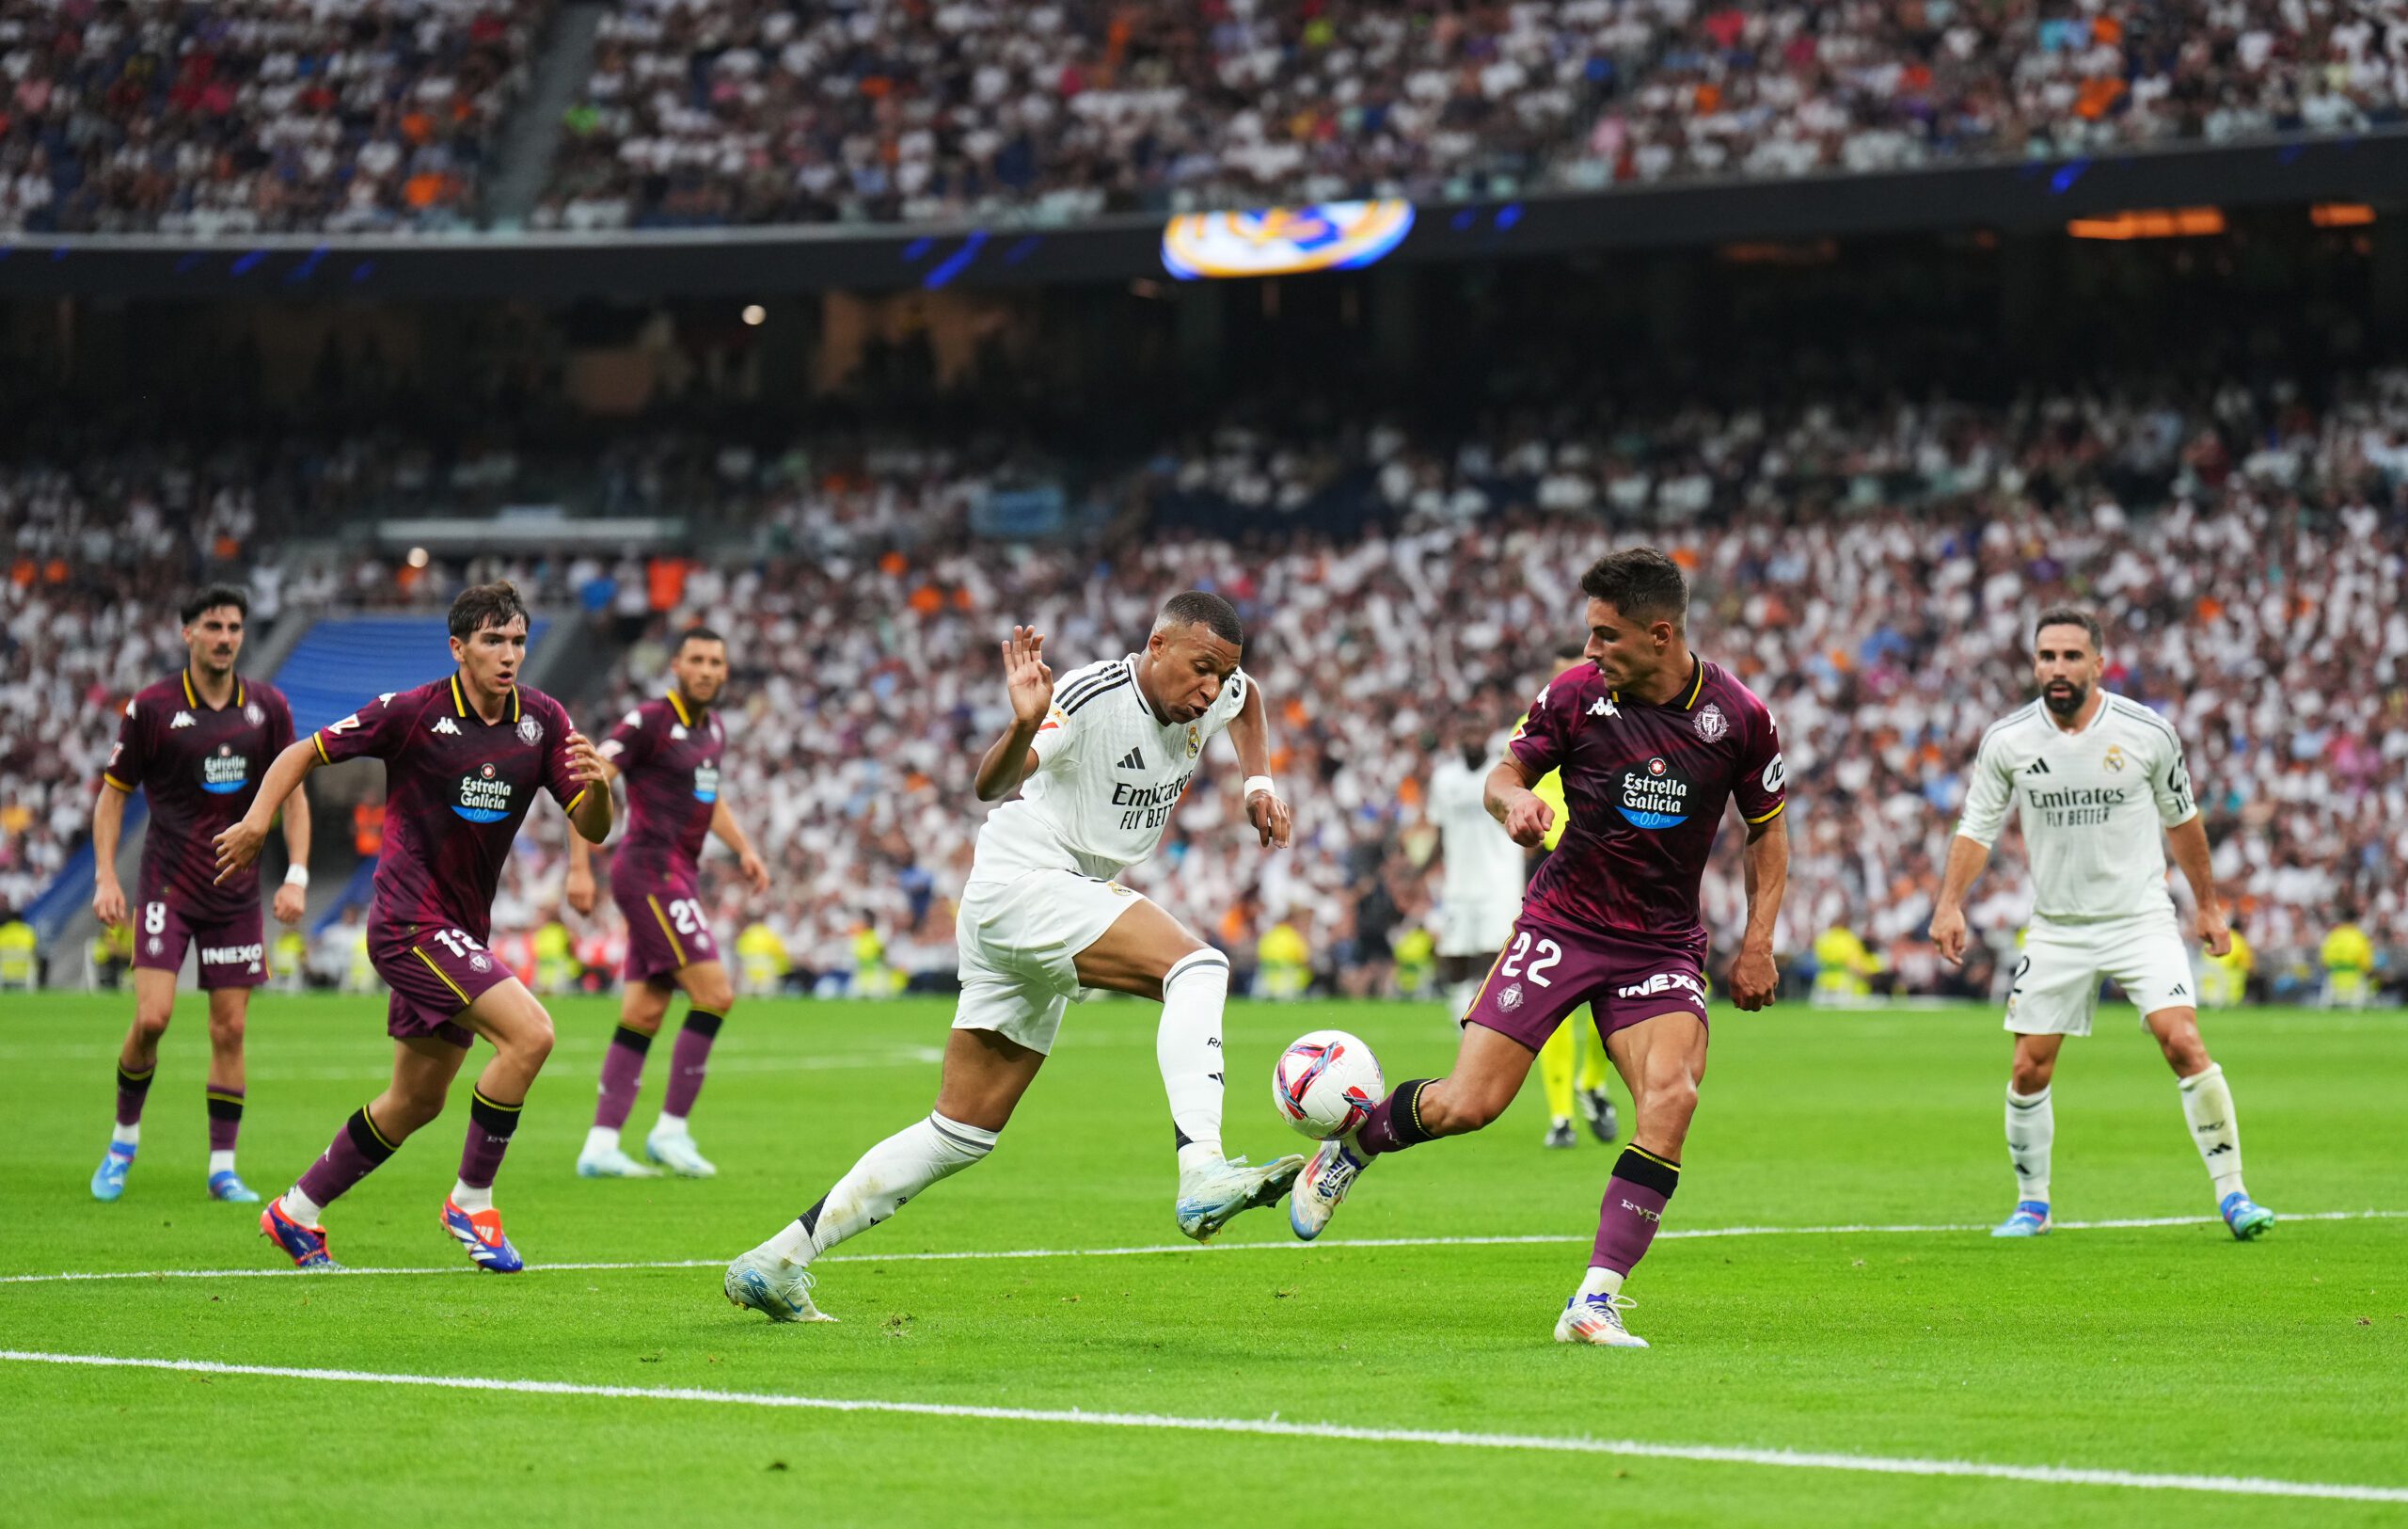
x=238, y=846
x=1948, y=934
x=585, y=764
x=1754, y=979
x=1025, y=675
x=755, y=870
x=108, y=901
x=578, y=890
x=1527, y=820
x=1270, y=819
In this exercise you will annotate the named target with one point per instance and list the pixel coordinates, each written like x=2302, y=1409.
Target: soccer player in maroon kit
x=464, y=757
x=1652, y=742
x=198, y=745
x=669, y=749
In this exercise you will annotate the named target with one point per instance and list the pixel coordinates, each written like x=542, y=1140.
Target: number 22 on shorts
x=1549, y=954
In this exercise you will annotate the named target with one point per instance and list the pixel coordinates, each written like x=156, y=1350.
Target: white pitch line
x=1273, y=1427
x=1532, y=1240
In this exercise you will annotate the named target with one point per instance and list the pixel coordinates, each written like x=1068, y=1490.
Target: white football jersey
x=1481, y=861
x=1108, y=773
x=2092, y=805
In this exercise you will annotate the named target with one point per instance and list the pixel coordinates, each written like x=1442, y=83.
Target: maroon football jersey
x=201, y=768
x=457, y=789
x=1646, y=787
x=670, y=753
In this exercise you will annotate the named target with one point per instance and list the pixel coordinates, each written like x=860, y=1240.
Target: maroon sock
x=490, y=1123
x=358, y=1150
x=224, y=1118
x=686, y=1064
x=622, y=1072
x=132, y=1088
x=1395, y=1123
x=1633, y=1209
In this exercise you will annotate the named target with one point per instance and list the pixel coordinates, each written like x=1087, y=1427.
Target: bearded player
x=2095, y=778
x=1101, y=761
x=464, y=757
x=197, y=745
x=669, y=749
x=1652, y=742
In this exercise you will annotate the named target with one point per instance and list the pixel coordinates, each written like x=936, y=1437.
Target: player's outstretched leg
x=520, y=1030
x=670, y=1142
x=424, y=1067
x=1489, y=1069
x=1146, y=952
x=1662, y=1058
x=2215, y=1128
x=985, y=1076
x=137, y=1060
x=229, y=1006
x=2030, y=1133
x=639, y=1015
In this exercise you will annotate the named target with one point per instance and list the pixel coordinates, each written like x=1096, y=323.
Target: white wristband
x=1258, y=782
x=296, y=876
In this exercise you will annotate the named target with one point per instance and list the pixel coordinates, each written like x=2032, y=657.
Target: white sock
x=125, y=1136
x=1187, y=1047
x=300, y=1206
x=2206, y=1104
x=2031, y=1131
x=600, y=1141
x=1601, y=1281
x=220, y=1162
x=670, y=1126
x=888, y=1175
x=471, y=1200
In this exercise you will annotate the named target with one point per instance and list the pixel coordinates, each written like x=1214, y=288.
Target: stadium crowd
x=254, y=116
x=755, y=111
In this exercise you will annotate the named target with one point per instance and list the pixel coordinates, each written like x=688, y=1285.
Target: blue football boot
x=2031, y=1220
x=2248, y=1219
x=306, y=1245
x=108, y=1180
x=228, y=1186
x=481, y=1236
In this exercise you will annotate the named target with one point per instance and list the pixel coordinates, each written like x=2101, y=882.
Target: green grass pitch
x=2150, y=1349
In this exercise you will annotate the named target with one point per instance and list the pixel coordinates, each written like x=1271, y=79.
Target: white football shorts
x=1018, y=943
x=2057, y=979
x=1478, y=922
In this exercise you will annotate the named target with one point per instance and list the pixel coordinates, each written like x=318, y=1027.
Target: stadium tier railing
x=2032, y=196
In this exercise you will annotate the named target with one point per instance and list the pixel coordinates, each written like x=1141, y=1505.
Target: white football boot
x=779, y=1290
x=1597, y=1319
x=1323, y=1184
x=678, y=1154
x=1212, y=1195
x=611, y=1163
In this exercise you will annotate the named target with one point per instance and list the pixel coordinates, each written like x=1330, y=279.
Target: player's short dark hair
x=2072, y=616
x=205, y=600
x=1199, y=607
x=486, y=605
x=1642, y=583
x=698, y=635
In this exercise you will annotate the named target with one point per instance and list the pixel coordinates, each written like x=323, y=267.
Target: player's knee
x=226, y=1029
x=714, y=997
x=1672, y=1099
x=150, y=1023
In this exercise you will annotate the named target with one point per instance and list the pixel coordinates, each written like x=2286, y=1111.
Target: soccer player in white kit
x=1480, y=890
x=2095, y=776
x=1100, y=759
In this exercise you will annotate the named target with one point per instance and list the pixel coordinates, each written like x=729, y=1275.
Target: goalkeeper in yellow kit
x=1574, y=1049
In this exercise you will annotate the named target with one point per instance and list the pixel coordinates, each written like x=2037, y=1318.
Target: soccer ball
x=1326, y=1083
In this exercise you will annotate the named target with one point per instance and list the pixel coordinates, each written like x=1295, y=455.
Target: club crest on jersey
x=485, y=797
x=1654, y=796
x=1510, y=999
x=1712, y=726
x=706, y=783
x=2115, y=756
x=224, y=773
x=1195, y=741
x=254, y=713
x=530, y=730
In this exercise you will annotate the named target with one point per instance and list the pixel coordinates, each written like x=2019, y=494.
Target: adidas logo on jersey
x=2039, y=767
x=443, y=724
x=183, y=719
x=1133, y=759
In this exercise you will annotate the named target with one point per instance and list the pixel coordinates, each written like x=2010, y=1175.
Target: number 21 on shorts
x=1549, y=954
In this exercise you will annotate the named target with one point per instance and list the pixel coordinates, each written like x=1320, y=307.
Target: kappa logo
x=183, y=719
x=677, y=732
x=445, y=726
x=1603, y=707
x=2039, y=767
x=1681, y=982
x=1133, y=759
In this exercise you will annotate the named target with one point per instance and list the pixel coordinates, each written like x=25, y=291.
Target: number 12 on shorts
x=1549, y=954
x=458, y=941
